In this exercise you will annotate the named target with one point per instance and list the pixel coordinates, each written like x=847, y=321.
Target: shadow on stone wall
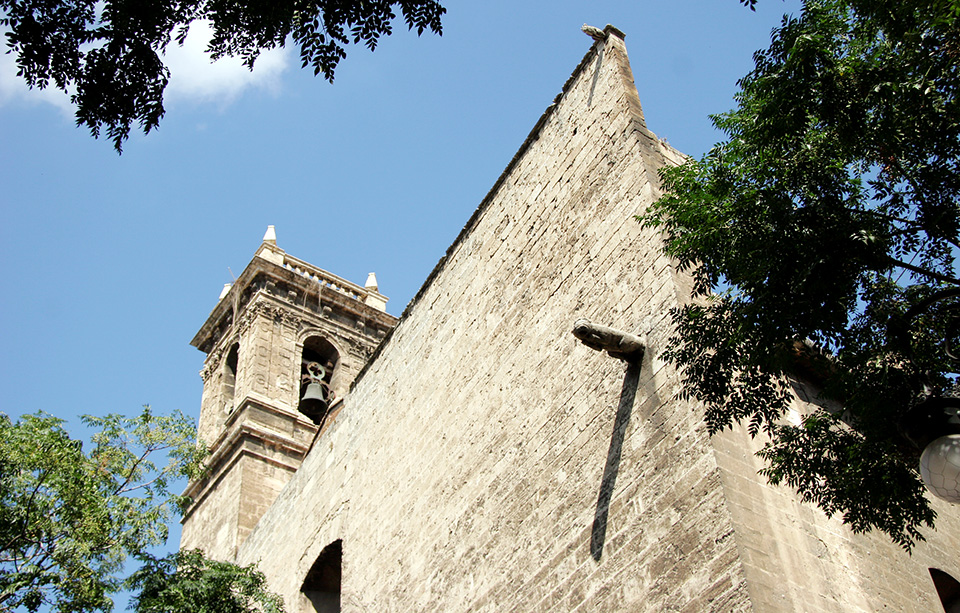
x=628, y=395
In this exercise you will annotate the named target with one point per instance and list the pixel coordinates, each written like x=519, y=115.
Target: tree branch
x=120, y=489
x=26, y=521
x=924, y=271
x=912, y=225
x=919, y=197
x=924, y=304
x=888, y=217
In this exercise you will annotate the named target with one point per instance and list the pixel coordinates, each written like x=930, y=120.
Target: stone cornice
x=320, y=287
x=230, y=448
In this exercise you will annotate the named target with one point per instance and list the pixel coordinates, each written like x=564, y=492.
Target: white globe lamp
x=940, y=468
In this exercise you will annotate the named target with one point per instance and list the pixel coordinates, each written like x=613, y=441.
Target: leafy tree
x=107, y=55
x=822, y=236
x=69, y=518
x=187, y=581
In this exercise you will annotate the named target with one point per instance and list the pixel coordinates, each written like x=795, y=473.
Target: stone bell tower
x=283, y=345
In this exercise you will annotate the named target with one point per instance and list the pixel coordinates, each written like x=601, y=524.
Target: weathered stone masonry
x=256, y=338
x=485, y=460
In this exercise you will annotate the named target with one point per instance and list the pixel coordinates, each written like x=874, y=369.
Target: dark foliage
x=107, y=55
x=829, y=218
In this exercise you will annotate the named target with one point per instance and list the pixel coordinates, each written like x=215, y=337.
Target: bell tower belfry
x=283, y=345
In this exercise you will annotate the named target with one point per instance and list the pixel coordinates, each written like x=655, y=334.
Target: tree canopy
x=108, y=55
x=190, y=583
x=70, y=518
x=822, y=236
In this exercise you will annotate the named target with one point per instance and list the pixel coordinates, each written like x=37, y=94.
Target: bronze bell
x=314, y=402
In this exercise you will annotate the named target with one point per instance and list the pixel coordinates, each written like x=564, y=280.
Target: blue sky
x=112, y=263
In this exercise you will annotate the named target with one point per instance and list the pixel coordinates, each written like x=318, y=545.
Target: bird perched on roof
x=594, y=33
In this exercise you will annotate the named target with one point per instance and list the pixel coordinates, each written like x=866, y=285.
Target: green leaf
x=828, y=217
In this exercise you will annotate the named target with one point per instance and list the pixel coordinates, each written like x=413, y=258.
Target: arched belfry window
x=948, y=589
x=322, y=584
x=230, y=377
x=318, y=362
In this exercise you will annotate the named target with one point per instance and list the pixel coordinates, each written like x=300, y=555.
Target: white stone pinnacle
x=270, y=236
x=371, y=283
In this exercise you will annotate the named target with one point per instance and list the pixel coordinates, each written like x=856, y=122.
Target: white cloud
x=194, y=78
x=14, y=88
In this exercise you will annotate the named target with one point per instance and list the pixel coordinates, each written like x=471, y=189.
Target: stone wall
x=797, y=559
x=487, y=460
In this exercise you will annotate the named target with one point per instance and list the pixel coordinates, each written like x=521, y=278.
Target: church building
x=480, y=453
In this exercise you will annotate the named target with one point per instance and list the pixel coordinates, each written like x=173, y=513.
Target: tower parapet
x=282, y=325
